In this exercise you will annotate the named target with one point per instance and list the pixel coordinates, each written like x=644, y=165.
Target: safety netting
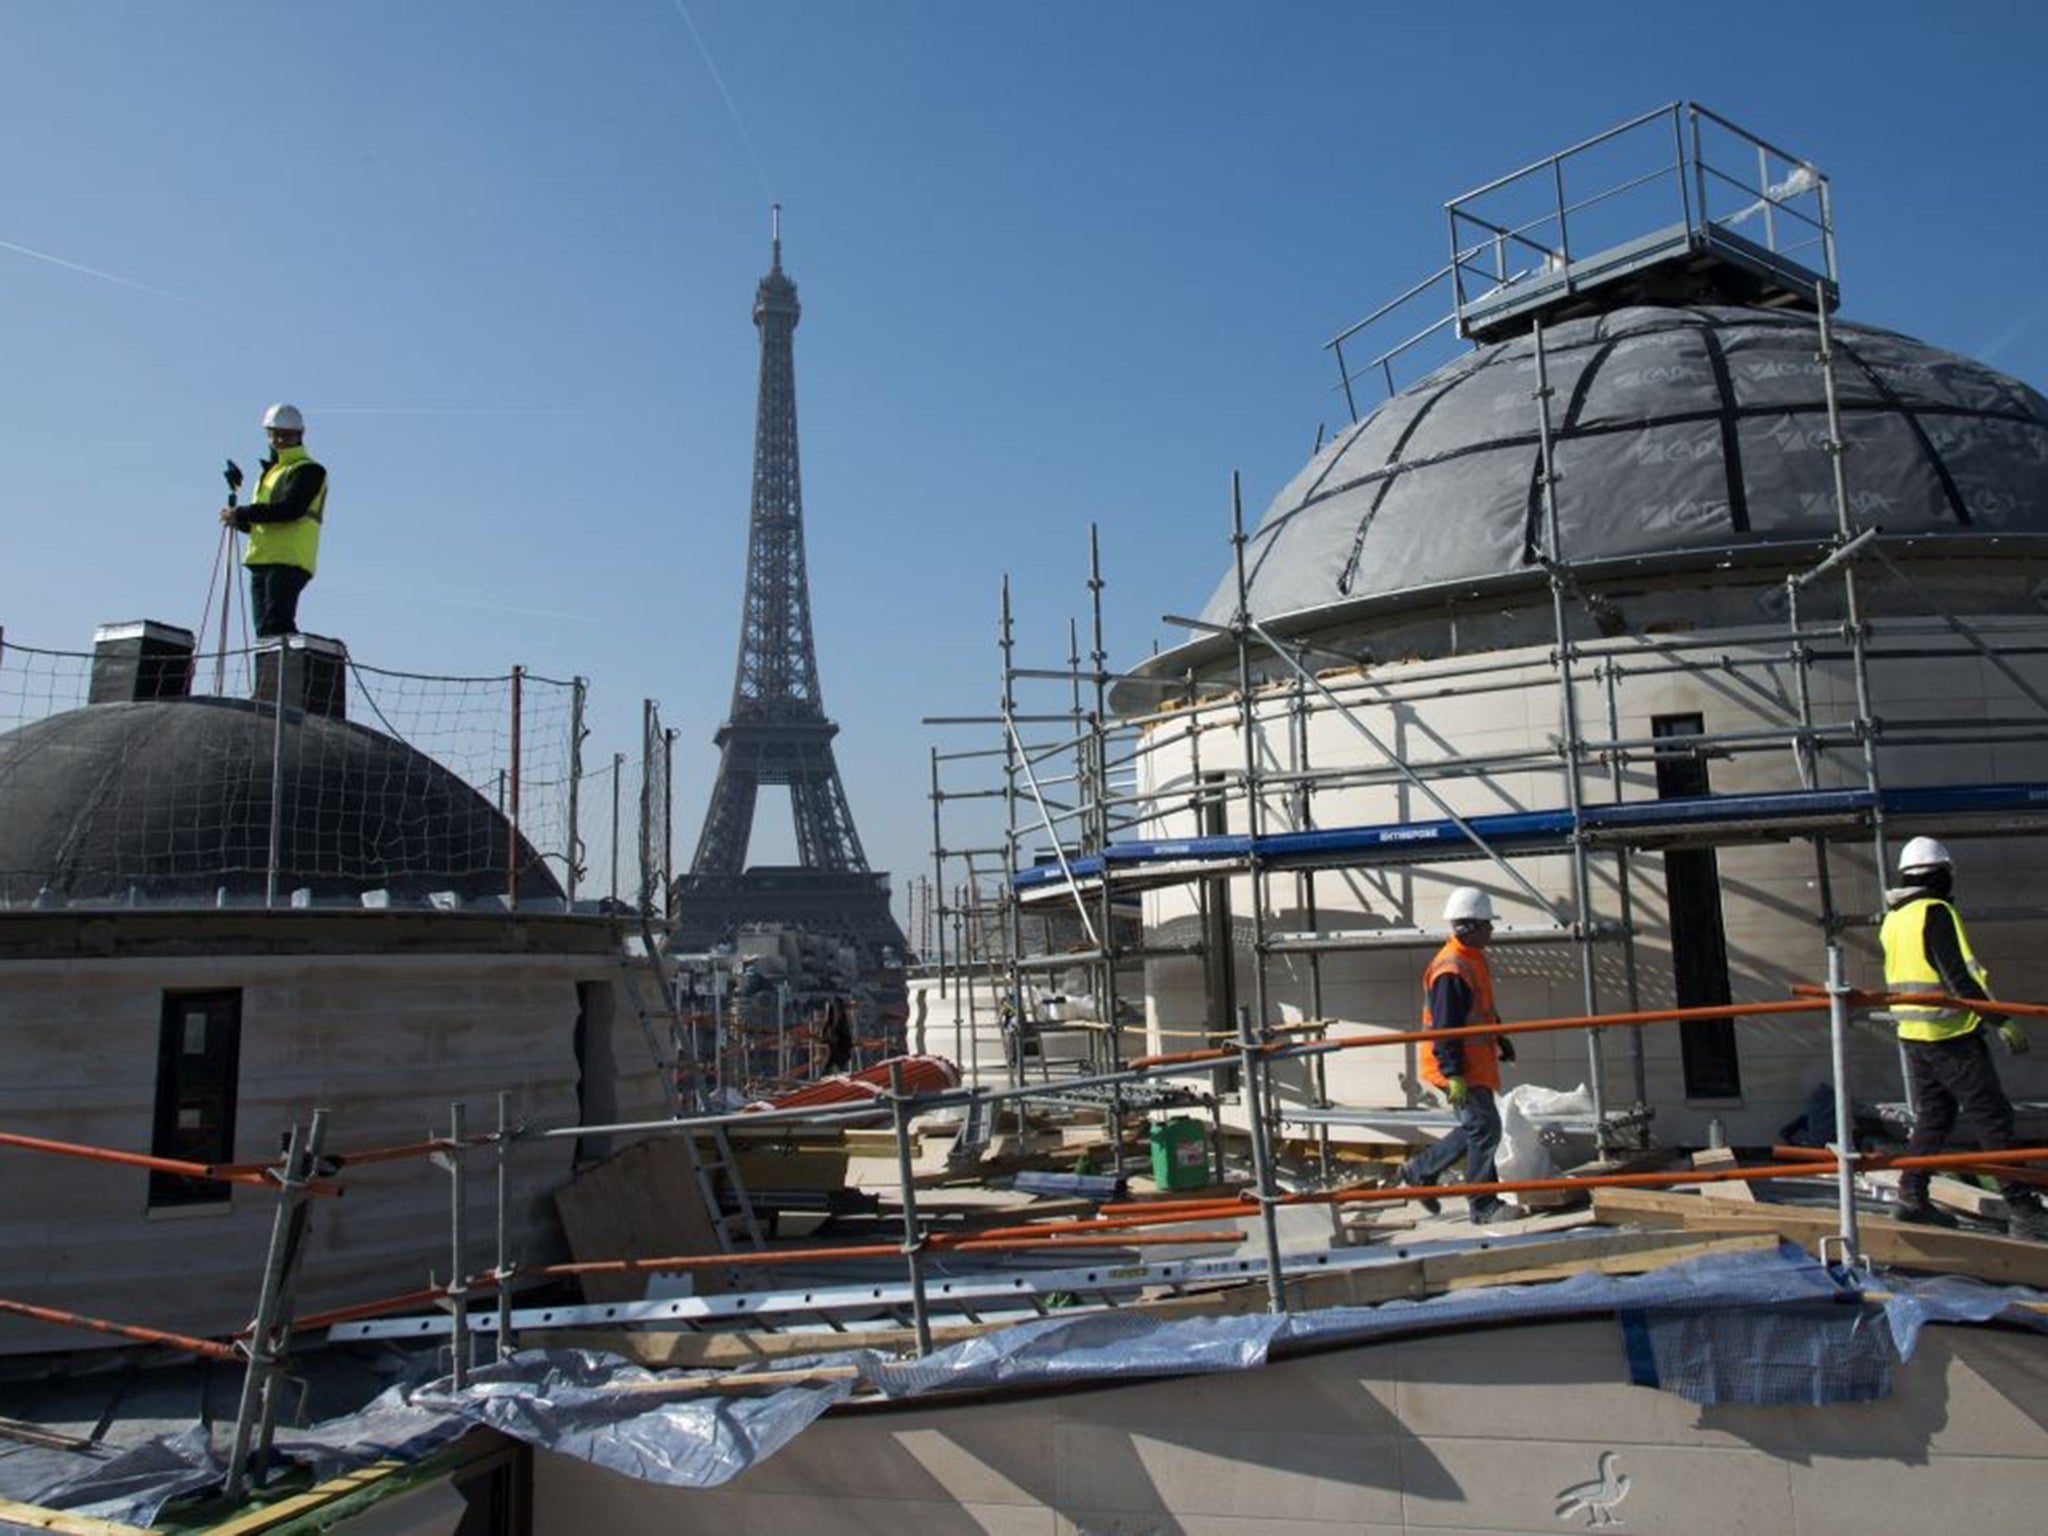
x=387, y=781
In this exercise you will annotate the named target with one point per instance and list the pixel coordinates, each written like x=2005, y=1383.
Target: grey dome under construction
x=1676, y=431
x=170, y=800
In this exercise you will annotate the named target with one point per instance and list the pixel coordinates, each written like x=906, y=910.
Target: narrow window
x=1699, y=943
x=198, y=1056
x=597, y=1071
x=1219, y=946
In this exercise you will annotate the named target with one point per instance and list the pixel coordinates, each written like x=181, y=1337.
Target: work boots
x=1914, y=1206
x=1922, y=1213
x=1401, y=1178
x=1487, y=1210
x=2026, y=1220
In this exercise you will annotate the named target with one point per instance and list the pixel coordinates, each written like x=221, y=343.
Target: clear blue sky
x=1060, y=263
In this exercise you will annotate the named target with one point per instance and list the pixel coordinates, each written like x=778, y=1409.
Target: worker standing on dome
x=1457, y=992
x=283, y=522
x=1949, y=1071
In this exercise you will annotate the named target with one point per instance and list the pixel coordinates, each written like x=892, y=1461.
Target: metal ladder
x=717, y=1176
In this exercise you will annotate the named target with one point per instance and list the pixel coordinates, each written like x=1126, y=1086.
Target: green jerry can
x=1180, y=1154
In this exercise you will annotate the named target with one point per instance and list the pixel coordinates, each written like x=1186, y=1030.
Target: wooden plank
x=1631, y=1263
x=642, y=1200
x=1954, y=1194
x=35, y=1434
x=879, y=1143
x=1521, y=1263
x=269, y=1516
x=1735, y=1191
x=35, y=1517
x=1903, y=1245
x=792, y=1168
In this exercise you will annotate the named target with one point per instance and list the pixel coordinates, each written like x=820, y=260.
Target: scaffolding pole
x=1571, y=747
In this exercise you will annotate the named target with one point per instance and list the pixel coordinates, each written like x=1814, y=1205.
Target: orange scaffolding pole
x=1524, y=1027
x=206, y=1347
x=1201, y=1210
x=220, y=1173
x=1862, y=999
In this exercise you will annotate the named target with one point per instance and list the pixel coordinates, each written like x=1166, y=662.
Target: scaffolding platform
x=1703, y=820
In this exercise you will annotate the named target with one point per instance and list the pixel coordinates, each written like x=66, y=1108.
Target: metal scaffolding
x=1080, y=832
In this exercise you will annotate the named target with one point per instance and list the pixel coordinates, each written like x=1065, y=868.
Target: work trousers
x=1476, y=1139
x=1954, y=1082
x=274, y=598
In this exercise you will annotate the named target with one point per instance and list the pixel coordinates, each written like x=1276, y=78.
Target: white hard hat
x=1923, y=853
x=1468, y=904
x=284, y=417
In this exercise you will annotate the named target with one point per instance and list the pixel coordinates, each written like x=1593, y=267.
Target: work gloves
x=1506, y=1044
x=1456, y=1091
x=2014, y=1037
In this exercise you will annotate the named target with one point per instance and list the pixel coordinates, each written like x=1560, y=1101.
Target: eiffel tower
x=776, y=731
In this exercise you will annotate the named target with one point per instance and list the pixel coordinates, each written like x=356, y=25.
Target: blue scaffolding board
x=1642, y=824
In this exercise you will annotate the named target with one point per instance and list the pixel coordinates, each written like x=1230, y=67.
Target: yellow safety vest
x=296, y=542
x=1909, y=968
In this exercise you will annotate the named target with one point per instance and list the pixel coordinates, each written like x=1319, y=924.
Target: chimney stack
x=315, y=673
x=138, y=661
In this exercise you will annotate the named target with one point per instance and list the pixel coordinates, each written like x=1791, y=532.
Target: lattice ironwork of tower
x=777, y=732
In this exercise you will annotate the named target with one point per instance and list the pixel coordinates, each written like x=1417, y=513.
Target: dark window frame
x=1708, y=1054
x=211, y=1084
x=1219, y=936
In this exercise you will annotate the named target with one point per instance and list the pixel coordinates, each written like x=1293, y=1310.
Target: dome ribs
x=1892, y=398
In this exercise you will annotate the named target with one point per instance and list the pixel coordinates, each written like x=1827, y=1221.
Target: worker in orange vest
x=1457, y=992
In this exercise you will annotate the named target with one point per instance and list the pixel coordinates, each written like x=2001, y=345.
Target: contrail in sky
x=1989, y=352
x=445, y=410
x=731, y=107
x=105, y=277
x=533, y=613
x=481, y=604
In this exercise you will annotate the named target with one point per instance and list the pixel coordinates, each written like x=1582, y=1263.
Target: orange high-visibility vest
x=1482, y=1052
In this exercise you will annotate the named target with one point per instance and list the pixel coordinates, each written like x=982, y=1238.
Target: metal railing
x=1680, y=176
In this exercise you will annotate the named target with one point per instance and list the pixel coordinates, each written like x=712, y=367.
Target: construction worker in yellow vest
x=1457, y=991
x=283, y=523
x=1949, y=1071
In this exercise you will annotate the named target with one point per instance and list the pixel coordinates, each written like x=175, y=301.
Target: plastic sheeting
x=1674, y=429
x=1814, y=1354
x=128, y=1486
x=598, y=1409
x=1522, y=1153
x=1755, y=1327
x=1912, y=1303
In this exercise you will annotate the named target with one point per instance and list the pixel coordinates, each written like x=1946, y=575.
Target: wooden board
x=2000, y=1260
x=266, y=1516
x=1616, y=1253
x=768, y=1167
x=35, y=1517
x=641, y=1201
x=1736, y=1192
x=1954, y=1194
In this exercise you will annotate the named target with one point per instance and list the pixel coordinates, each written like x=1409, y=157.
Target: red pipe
x=1526, y=1027
x=219, y=1173
x=207, y=1347
x=1804, y=1168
